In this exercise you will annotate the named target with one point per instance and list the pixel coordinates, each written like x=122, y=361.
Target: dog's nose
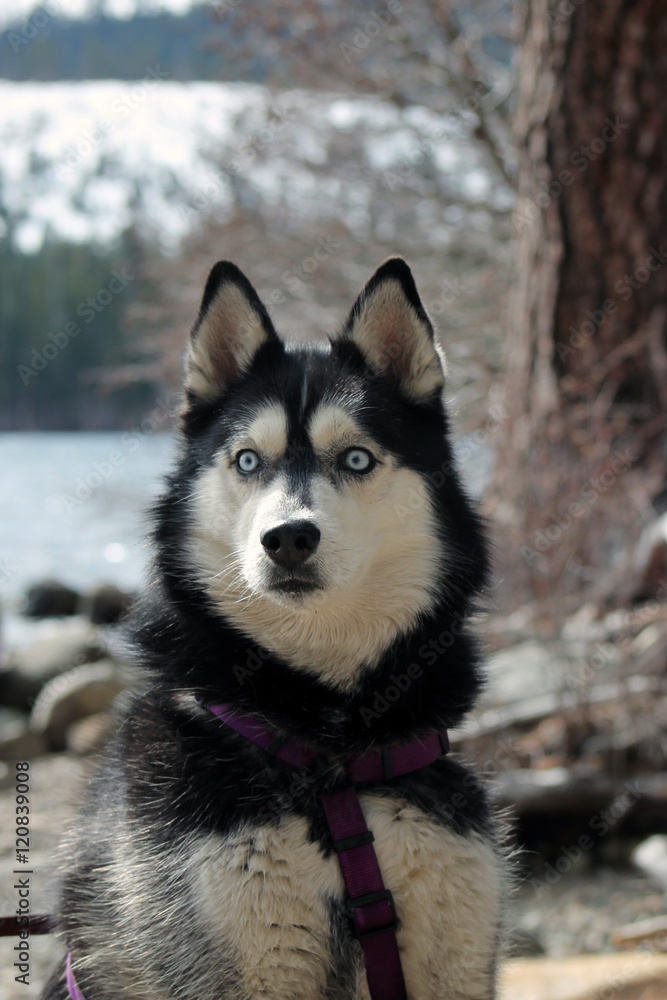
x=290, y=544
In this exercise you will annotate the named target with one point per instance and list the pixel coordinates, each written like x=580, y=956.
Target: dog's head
x=321, y=511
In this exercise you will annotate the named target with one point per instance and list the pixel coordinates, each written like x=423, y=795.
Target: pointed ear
x=231, y=327
x=390, y=327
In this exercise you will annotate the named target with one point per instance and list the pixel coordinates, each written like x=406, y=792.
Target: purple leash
x=371, y=904
x=72, y=985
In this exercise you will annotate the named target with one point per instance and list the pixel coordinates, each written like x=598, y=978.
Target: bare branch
x=465, y=81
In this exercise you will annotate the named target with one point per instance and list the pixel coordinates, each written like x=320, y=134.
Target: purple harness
x=370, y=903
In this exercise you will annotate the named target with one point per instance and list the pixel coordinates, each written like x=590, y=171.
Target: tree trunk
x=586, y=369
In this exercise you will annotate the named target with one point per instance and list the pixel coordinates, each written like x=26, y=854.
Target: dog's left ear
x=231, y=327
x=390, y=327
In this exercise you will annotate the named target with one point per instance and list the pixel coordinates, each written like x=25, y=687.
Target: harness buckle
x=350, y=843
x=372, y=897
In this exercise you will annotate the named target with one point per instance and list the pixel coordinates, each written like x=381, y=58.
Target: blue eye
x=357, y=460
x=247, y=461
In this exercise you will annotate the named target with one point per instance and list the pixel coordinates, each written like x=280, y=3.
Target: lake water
x=73, y=506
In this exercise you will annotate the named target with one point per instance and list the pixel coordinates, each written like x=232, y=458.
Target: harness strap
x=264, y=736
x=385, y=765
x=41, y=923
x=371, y=905
x=377, y=765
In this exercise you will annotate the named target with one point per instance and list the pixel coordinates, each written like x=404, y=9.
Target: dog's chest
x=269, y=892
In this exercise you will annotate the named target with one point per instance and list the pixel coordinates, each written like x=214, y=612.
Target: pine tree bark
x=586, y=368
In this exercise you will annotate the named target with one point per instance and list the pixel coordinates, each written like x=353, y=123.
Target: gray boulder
x=74, y=695
x=19, y=742
x=87, y=735
x=50, y=599
x=106, y=604
x=26, y=671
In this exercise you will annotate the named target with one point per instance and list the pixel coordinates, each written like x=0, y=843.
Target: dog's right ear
x=231, y=327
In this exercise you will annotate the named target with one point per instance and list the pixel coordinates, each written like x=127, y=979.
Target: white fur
x=266, y=433
x=332, y=425
x=379, y=567
x=266, y=891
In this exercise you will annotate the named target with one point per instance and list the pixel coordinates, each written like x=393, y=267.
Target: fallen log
x=561, y=790
x=533, y=710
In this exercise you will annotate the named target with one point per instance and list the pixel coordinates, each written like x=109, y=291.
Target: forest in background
x=284, y=45
x=62, y=314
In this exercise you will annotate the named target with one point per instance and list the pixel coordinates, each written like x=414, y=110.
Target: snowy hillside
x=83, y=161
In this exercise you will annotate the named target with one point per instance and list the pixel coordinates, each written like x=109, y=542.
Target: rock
x=106, y=604
x=28, y=669
x=88, y=735
x=10, y=715
x=19, y=742
x=570, y=792
x=74, y=695
x=50, y=599
x=651, y=858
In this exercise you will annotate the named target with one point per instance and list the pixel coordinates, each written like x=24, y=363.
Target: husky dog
x=316, y=562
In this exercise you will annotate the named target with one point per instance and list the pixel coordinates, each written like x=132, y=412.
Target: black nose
x=292, y=543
